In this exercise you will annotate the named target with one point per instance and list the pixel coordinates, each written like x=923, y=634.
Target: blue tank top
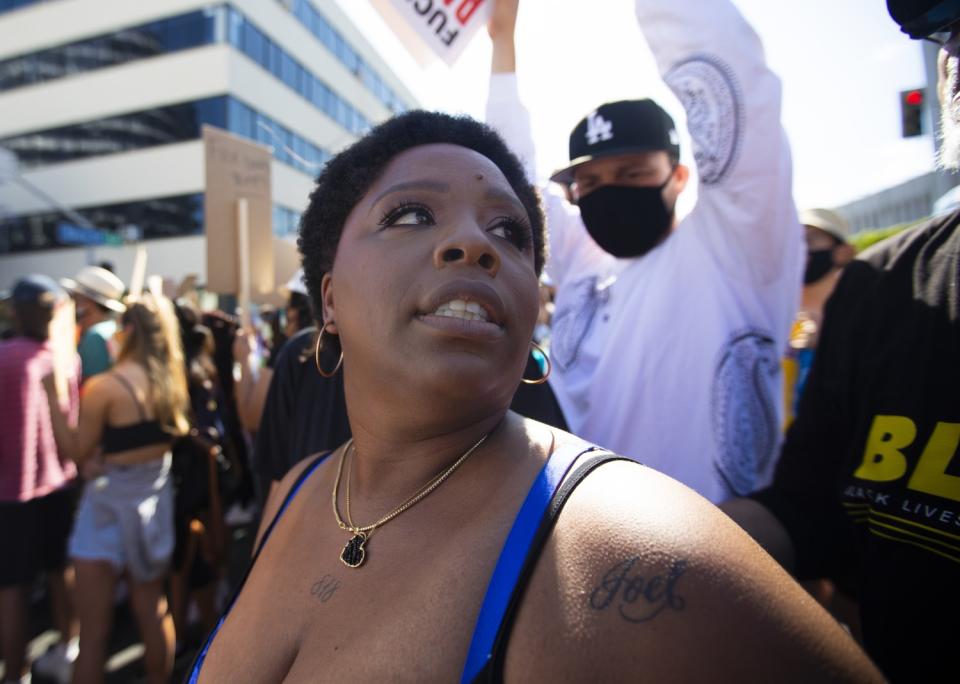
x=516, y=563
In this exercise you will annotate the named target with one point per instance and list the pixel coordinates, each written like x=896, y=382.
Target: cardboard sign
x=237, y=169
x=434, y=28
x=139, y=272
x=286, y=262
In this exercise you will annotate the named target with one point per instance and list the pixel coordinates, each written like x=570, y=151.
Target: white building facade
x=103, y=101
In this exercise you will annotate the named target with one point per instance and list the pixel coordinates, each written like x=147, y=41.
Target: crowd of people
x=126, y=480
x=545, y=417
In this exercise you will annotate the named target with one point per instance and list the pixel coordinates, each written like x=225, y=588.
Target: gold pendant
x=353, y=553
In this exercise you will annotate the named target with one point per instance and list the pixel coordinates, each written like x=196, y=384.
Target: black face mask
x=626, y=221
x=819, y=263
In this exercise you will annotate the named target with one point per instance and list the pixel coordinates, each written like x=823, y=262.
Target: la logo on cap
x=598, y=129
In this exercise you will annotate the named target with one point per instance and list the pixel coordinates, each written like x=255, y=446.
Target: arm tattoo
x=639, y=599
x=324, y=588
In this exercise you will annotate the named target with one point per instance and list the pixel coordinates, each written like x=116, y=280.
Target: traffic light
x=911, y=112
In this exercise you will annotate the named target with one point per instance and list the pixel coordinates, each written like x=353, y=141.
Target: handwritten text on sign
x=237, y=168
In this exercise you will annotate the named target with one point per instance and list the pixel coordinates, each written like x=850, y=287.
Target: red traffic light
x=911, y=112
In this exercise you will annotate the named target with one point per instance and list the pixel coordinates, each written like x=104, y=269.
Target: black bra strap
x=126, y=383
x=494, y=672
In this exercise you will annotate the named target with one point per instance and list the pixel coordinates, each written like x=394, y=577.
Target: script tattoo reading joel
x=324, y=588
x=638, y=598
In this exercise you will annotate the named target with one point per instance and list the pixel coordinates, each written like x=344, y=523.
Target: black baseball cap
x=622, y=127
x=37, y=290
x=920, y=18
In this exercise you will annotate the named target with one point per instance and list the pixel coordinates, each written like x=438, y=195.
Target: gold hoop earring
x=316, y=357
x=539, y=381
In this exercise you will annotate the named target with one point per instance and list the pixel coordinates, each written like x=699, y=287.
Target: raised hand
x=503, y=19
x=242, y=346
x=502, y=27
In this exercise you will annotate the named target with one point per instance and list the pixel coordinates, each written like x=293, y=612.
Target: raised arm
x=714, y=63
x=251, y=390
x=502, y=29
x=510, y=117
x=505, y=111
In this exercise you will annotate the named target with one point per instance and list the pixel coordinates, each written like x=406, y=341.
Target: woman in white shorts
x=125, y=520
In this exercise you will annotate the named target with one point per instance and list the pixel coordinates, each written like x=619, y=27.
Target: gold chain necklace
x=354, y=553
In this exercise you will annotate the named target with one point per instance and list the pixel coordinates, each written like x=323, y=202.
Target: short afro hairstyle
x=348, y=176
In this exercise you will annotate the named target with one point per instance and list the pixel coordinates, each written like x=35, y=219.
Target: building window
x=163, y=126
x=286, y=221
x=323, y=31
x=251, y=41
x=154, y=218
x=288, y=147
x=8, y=5
x=180, y=33
x=130, y=131
x=160, y=217
x=158, y=37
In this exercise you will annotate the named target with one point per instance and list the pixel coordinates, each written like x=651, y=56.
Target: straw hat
x=97, y=284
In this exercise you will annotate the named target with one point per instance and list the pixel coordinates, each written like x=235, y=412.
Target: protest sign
x=286, y=262
x=434, y=28
x=139, y=272
x=237, y=215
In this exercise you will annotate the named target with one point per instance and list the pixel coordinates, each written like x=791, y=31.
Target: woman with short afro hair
x=451, y=538
x=346, y=178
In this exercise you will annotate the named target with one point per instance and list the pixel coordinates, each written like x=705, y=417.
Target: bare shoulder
x=100, y=390
x=643, y=578
x=98, y=385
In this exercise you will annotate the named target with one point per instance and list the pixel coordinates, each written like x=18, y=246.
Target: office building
x=102, y=102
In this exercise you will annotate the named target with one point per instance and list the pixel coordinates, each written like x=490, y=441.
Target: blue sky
x=842, y=63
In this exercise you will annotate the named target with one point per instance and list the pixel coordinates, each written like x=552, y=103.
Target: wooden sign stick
x=243, y=255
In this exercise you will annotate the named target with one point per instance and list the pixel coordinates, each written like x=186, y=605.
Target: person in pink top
x=37, y=492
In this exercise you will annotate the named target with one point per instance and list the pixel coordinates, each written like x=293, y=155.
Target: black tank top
x=117, y=438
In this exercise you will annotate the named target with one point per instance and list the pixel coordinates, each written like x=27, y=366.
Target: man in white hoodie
x=668, y=334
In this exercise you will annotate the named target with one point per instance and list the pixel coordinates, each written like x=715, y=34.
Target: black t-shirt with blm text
x=868, y=484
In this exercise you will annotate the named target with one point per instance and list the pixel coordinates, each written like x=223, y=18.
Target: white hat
x=826, y=220
x=97, y=284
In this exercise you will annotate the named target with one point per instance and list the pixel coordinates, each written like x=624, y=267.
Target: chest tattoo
x=324, y=588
